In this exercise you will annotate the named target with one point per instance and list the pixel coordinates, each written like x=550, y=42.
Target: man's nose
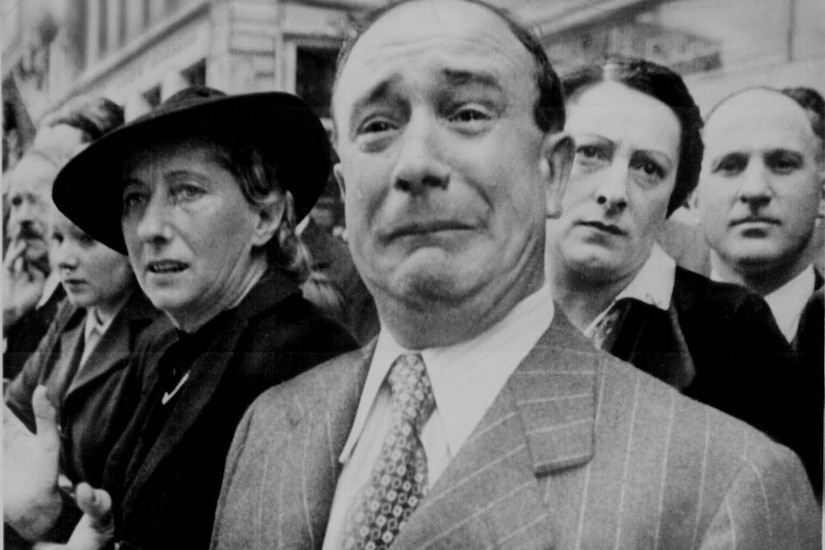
x=755, y=188
x=24, y=213
x=612, y=190
x=420, y=165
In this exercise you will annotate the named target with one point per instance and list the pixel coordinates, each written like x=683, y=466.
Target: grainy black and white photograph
x=413, y=274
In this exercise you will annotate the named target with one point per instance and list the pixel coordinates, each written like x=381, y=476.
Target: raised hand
x=31, y=500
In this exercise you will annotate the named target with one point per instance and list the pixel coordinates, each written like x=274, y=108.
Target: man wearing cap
x=480, y=418
x=203, y=194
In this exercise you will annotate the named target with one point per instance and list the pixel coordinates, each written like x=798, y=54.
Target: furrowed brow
x=472, y=78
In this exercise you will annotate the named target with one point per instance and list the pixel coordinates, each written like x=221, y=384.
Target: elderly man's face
x=760, y=187
x=30, y=186
x=443, y=166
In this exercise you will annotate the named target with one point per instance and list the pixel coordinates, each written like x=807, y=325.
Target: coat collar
x=271, y=290
x=115, y=346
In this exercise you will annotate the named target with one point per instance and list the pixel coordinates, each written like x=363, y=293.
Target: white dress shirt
x=466, y=378
x=653, y=285
x=788, y=301
x=97, y=323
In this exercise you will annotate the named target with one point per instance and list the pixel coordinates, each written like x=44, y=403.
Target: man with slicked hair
x=480, y=417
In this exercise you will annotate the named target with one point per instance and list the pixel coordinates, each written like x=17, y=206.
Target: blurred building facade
x=139, y=52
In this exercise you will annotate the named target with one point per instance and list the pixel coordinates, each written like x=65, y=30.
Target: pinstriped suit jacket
x=579, y=450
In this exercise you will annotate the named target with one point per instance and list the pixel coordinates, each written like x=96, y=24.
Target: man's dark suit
x=579, y=450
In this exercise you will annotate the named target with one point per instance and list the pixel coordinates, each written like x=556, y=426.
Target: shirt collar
x=454, y=370
x=97, y=321
x=653, y=284
x=788, y=301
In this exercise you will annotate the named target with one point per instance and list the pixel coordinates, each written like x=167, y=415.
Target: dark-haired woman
x=638, y=157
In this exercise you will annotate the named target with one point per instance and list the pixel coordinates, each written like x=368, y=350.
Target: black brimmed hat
x=279, y=125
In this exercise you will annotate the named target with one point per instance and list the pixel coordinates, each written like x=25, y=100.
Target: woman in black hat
x=212, y=187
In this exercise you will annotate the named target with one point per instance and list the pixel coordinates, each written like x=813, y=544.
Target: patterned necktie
x=399, y=479
x=603, y=334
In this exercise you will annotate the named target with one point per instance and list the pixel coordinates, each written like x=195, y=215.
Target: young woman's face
x=92, y=274
x=624, y=172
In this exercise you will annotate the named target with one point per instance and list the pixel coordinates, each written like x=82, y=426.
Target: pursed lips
x=425, y=228
x=605, y=227
x=755, y=219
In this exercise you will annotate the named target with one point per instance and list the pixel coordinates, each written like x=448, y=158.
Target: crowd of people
x=519, y=345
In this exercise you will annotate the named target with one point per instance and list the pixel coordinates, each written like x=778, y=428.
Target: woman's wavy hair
x=660, y=83
x=258, y=180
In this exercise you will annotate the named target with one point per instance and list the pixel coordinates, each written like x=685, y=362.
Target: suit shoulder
x=299, y=394
x=694, y=291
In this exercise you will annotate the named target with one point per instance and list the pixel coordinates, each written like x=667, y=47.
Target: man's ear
x=270, y=213
x=339, y=177
x=557, y=160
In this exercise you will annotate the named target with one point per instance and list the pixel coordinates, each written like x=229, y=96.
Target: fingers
x=96, y=504
x=14, y=256
x=45, y=417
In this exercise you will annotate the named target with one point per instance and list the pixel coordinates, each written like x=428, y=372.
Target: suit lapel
x=110, y=352
x=114, y=347
x=319, y=421
x=66, y=365
x=541, y=422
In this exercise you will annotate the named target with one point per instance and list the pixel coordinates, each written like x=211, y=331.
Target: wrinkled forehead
x=759, y=119
x=420, y=37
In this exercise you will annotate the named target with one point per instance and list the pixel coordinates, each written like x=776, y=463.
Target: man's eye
x=591, y=154
x=731, y=166
x=57, y=238
x=469, y=115
x=16, y=201
x=588, y=151
x=783, y=164
x=375, y=126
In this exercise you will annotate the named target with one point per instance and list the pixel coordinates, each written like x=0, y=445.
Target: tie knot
x=412, y=394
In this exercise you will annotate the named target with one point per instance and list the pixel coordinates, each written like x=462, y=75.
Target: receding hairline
x=752, y=90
